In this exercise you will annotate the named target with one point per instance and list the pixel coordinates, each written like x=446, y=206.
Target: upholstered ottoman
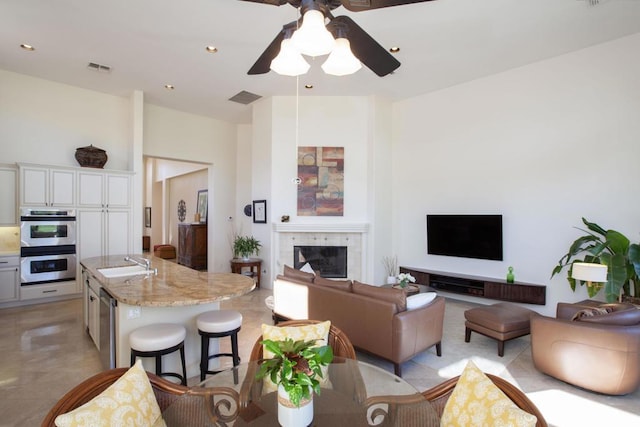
x=501, y=321
x=164, y=251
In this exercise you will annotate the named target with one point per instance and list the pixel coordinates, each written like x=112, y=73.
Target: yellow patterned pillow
x=317, y=331
x=477, y=401
x=128, y=401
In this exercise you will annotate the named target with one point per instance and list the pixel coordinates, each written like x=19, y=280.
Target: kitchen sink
x=130, y=270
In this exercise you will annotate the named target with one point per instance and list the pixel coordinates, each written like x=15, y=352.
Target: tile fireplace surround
x=354, y=236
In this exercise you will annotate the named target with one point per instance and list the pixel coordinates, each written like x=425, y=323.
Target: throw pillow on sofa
x=297, y=274
x=420, y=300
x=341, y=285
x=396, y=296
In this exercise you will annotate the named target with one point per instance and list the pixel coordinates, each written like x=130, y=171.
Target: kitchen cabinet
x=44, y=186
x=192, y=245
x=92, y=307
x=48, y=290
x=103, y=231
x=8, y=199
x=104, y=190
x=9, y=278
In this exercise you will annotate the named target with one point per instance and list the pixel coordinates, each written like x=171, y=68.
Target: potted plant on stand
x=245, y=246
x=613, y=249
x=295, y=369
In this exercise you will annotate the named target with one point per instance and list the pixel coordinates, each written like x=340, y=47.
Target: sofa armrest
x=417, y=330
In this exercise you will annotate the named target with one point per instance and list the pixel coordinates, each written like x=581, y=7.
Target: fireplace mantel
x=298, y=227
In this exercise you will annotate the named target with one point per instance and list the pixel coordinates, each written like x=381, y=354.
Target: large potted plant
x=613, y=249
x=245, y=246
x=295, y=368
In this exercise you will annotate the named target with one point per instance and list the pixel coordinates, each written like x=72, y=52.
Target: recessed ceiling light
x=394, y=49
x=211, y=49
x=169, y=87
x=27, y=47
x=308, y=86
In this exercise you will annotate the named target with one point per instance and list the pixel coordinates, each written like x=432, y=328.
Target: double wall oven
x=47, y=245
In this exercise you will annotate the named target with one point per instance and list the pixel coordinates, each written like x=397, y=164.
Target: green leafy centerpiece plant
x=296, y=366
x=611, y=248
x=245, y=246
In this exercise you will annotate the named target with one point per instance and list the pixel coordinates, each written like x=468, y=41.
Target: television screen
x=467, y=236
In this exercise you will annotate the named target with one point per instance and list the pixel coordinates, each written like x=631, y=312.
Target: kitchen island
x=167, y=293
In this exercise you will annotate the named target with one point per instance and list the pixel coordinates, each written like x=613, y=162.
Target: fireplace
x=326, y=261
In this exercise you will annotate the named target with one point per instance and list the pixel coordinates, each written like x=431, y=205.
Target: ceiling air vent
x=98, y=67
x=244, y=97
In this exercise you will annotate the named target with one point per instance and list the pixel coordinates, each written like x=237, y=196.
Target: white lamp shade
x=289, y=62
x=589, y=272
x=341, y=60
x=313, y=38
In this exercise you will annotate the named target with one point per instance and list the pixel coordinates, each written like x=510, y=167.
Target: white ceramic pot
x=391, y=280
x=290, y=415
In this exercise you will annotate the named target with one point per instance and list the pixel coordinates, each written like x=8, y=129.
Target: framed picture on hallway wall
x=202, y=204
x=260, y=211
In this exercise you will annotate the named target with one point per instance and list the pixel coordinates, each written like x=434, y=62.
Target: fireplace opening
x=326, y=261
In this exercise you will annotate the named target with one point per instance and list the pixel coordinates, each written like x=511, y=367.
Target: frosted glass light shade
x=289, y=62
x=313, y=38
x=588, y=272
x=341, y=60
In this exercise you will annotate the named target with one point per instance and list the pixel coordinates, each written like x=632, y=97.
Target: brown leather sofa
x=375, y=319
x=598, y=352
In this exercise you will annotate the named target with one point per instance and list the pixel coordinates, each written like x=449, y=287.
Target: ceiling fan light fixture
x=313, y=38
x=341, y=61
x=289, y=61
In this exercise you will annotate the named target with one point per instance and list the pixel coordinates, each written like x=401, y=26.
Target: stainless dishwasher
x=107, y=329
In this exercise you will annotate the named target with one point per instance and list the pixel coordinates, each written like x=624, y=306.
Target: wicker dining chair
x=165, y=391
x=439, y=395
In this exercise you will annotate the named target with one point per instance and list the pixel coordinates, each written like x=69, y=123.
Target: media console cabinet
x=479, y=286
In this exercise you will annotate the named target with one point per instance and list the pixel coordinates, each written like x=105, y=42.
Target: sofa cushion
x=128, y=401
x=477, y=401
x=610, y=314
x=341, y=285
x=396, y=296
x=420, y=300
x=297, y=274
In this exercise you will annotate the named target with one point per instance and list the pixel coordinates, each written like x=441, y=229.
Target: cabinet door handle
x=92, y=298
x=50, y=291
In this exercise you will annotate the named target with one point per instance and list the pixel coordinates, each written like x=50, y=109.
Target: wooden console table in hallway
x=253, y=264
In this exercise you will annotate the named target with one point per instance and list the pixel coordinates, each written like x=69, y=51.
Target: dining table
x=353, y=393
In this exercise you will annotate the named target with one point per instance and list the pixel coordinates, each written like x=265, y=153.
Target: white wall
x=44, y=122
x=543, y=145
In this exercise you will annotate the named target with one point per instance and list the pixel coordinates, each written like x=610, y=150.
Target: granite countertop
x=173, y=285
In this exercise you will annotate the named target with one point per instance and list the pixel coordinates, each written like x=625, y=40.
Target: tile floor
x=45, y=352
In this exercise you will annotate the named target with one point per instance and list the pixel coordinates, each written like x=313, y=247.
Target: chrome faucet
x=144, y=263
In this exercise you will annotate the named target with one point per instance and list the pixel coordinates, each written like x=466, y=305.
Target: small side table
x=253, y=264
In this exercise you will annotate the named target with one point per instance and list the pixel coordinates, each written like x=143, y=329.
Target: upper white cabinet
x=43, y=186
x=8, y=192
x=104, y=190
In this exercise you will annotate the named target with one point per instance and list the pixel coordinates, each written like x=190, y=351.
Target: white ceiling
x=149, y=43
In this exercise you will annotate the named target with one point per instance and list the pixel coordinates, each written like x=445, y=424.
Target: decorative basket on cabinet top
x=91, y=157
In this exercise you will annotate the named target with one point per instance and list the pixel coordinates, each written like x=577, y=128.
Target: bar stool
x=218, y=324
x=156, y=341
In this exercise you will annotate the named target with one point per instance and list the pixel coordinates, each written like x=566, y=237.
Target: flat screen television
x=467, y=236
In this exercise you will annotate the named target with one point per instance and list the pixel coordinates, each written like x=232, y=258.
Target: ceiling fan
x=364, y=47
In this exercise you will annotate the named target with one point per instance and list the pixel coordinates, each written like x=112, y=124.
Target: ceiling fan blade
x=272, y=2
x=365, y=48
x=263, y=64
x=360, y=5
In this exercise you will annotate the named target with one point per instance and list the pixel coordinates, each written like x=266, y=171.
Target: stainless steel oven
x=48, y=245
x=47, y=227
x=47, y=264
